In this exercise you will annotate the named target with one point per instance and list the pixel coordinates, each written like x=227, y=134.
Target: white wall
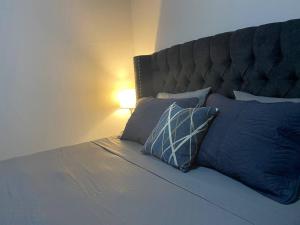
x=179, y=21
x=61, y=62
x=145, y=20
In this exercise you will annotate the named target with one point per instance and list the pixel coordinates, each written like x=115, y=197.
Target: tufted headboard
x=263, y=60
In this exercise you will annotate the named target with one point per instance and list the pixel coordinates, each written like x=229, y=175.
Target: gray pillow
x=200, y=94
x=147, y=114
x=243, y=96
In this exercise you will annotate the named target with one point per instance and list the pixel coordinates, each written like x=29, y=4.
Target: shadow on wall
x=145, y=22
x=182, y=21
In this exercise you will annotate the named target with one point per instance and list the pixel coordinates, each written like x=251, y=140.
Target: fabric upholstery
x=177, y=136
x=200, y=94
x=243, y=96
x=147, y=114
x=257, y=144
x=263, y=60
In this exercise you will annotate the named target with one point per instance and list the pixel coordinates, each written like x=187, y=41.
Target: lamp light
x=127, y=99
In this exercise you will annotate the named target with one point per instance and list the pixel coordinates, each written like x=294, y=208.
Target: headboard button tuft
x=252, y=59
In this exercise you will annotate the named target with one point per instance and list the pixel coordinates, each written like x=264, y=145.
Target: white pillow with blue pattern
x=178, y=134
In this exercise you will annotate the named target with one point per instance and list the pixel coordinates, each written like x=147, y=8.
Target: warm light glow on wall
x=127, y=99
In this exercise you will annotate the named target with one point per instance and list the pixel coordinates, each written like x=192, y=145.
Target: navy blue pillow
x=257, y=144
x=177, y=136
x=147, y=114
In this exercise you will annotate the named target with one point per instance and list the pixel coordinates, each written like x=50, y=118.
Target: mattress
x=110, y=182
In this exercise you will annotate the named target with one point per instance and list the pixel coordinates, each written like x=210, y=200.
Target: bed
x=109, y=181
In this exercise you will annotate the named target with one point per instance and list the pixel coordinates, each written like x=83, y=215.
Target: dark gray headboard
x=263, y=60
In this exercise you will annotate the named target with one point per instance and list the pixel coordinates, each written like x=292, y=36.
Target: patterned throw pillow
x=178, y=134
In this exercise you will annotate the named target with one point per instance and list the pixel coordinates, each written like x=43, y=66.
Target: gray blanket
x=110, y=182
